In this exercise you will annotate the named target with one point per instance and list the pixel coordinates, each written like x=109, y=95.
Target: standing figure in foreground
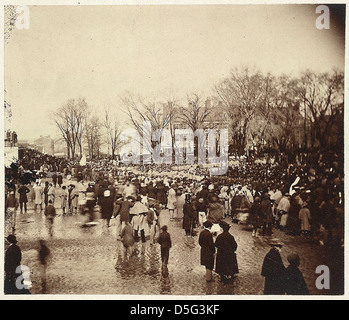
x=23, y=199
x=207, y=249
x=189, y=216
x=43, y=254
x=226, y=262
x=50, y=213
x=107, y=207
x=165, y=244
x=294, y=282
x=13, y=257
x=273, y=270
x=11, y=206
x=127, y=240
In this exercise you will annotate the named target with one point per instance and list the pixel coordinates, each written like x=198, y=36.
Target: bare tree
x=279, y=120
x=198, y=115
x=147, y=117
x=241, y=94
x=322, y=98
x=93, y=136
x=70, y=119
x=113, y=129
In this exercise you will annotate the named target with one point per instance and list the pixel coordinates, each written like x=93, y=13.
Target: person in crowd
x=59, y=180
x=129, y=190
x=293, y=223
x=11, y=206
x=226, y=261
x=305, y=217
x=215, y=213
x=164, y=240
x=139, y=220
x=152, y=220
x=64, y=195
x=282, y=211
x=38, y=193
x=189, y=216
x=207, y=251
x=23, y=199
x=267, y=215
x=107, y=207
x=125, y=207
x=294, y=283
x=46, y=192
x=13, y=258
x=273, y=270
x=90, y=201
x=255, y=217
x=161, y=196
x=171, y=202
x=180, y=201
x=127, y=240
x=50, y=214
x=201, y=210
x=54, y=179
x=43, y=257
x=52, y=193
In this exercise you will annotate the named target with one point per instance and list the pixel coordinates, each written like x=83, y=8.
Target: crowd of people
x=303, y=198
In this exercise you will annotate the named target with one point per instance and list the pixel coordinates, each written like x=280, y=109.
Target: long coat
x=207, y=249
x=226, y=262
x=304, y=216
x=13, y=257
x=273, y=271
x=125, y=211
x=189, y=215
x=161, y=193
x=171, y=200
x=293, y=223
x=255, y=217
x=216, y=212
x=23, y=190
x=107, y=206
x=266, y=211
x=38, y=190
x=294, y=282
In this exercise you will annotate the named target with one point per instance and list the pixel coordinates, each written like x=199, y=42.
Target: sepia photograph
x=164, y=150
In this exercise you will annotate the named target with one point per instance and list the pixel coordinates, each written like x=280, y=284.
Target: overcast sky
x=100, y=52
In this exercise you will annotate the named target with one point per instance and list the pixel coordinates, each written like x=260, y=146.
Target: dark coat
x=125, y=210
x=13, y=257
x=226, y=262
x=294, y=282
x=60, y=179
x=23, y=190
x=50, y=211
x=266, y=211
x=165, y=240
x=273, y=271
x=107, y=206
x=255, y=217
x=207, y=249
x=189, y=216
x=161, y=194
x=239, y=203
x=293, y=222
x=151, y=191
x=204, y=195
